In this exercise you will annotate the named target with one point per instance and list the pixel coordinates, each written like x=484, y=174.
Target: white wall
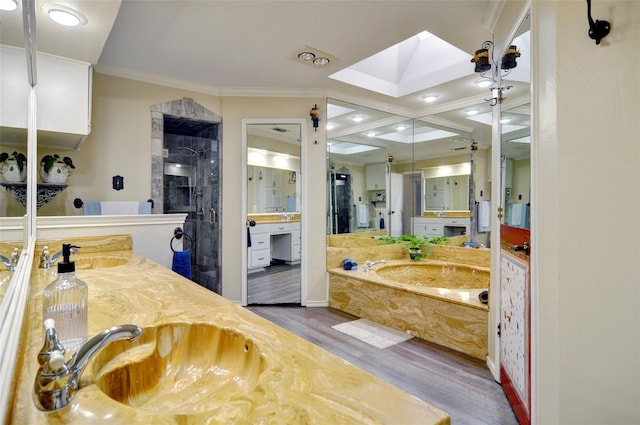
x=585, y=218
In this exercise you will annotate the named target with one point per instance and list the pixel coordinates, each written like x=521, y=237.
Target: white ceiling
x=244, y=47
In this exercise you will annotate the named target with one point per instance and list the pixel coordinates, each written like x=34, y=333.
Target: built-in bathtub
x=433, y=299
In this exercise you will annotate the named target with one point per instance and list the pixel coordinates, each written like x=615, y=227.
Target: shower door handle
x=212, y=216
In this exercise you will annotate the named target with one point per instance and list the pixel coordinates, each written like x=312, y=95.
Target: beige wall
x=585, y=161
x=120, y=144
x=235, y=109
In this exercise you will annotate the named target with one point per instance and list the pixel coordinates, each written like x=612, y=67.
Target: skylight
x=415, y=64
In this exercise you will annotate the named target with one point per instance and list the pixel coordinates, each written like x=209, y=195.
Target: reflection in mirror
x=274, y=213
x=394, y=168
x=515, y=124
x=368, y=152
x=273, y=159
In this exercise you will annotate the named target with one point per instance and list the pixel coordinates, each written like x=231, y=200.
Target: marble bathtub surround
x=282, y=379
x=451, y=317
x=444, y=309
x=366, y=249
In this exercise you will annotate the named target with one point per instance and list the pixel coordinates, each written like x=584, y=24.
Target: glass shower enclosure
x=191, y=181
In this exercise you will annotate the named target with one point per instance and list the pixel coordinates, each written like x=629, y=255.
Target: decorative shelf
x=46, y=192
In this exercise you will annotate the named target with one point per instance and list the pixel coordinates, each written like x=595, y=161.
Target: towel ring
x=177, y=234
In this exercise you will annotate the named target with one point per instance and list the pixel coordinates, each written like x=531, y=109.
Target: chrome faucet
x=367, y=266
x=57, y=381
x=47, y=261
x=12, y=262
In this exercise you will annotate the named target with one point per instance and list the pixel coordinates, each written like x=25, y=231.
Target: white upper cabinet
x=63, y=99
x=375, y=176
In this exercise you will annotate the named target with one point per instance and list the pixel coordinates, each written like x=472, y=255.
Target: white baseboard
x=494, y=369
x=317, y=304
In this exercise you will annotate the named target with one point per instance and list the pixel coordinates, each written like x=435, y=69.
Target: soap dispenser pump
x=65, y=300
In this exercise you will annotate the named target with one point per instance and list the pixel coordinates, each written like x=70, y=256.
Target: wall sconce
x=315, y=116
x=484, y=64
x=509, y=59
x=488, y=68
x=481, y=59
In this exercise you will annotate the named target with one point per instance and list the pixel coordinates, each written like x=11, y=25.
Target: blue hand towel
x=182, y=263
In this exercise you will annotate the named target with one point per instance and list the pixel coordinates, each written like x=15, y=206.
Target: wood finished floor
x=278, y=283
x=456, y=383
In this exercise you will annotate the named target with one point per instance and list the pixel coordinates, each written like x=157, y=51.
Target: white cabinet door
x=64, y=97
x=375, y=176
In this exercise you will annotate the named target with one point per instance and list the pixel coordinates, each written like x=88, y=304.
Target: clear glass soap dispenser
x=65, y=300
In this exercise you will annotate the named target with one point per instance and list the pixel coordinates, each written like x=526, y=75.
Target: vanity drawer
x=456, y=221
x=434, y=229
x=260, y=241
x=260, y=228
x=282, y=228
x=260, y=258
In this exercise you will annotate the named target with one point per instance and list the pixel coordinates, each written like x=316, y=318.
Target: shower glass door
x=192, y=186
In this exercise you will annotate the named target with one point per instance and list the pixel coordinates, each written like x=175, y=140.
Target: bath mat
x=372, y=333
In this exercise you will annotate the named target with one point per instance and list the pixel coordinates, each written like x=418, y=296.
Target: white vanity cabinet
x=441, y=226
x=427, y=226
x=260, y=249
x=277, y=241
x=63, y=96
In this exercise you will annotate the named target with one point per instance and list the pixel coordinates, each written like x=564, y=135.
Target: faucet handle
x=56, y=360
x=51, y=343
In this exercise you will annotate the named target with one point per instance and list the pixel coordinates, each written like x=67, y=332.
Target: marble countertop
x=300, y=384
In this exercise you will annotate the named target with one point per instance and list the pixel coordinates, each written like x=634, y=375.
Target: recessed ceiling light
x=430, y=97
x=401, y=128
x=8, y=5
x=483, y=82
x=306, y=56
x=370, y=133
x=321, y=61
x=330, y=126
x=64, y=15
x=505, y=120
x=357, y=118
x=471, y=112
x=312, y=57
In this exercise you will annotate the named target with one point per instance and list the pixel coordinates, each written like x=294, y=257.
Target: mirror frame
x=303, y=199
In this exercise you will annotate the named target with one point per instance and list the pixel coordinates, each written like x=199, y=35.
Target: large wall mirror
x=515, y=130
x=274, y=215
x=387, y=171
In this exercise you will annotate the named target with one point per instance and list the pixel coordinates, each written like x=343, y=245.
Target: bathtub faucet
x=57, y=381
x=367, y=266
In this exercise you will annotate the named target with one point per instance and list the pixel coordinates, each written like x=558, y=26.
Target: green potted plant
x=54, y=169
x=14, y=167
x=418, y=247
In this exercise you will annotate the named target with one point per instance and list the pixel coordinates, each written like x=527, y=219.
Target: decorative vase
x=414, y=253
x=12, y=173
x=57, y=174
